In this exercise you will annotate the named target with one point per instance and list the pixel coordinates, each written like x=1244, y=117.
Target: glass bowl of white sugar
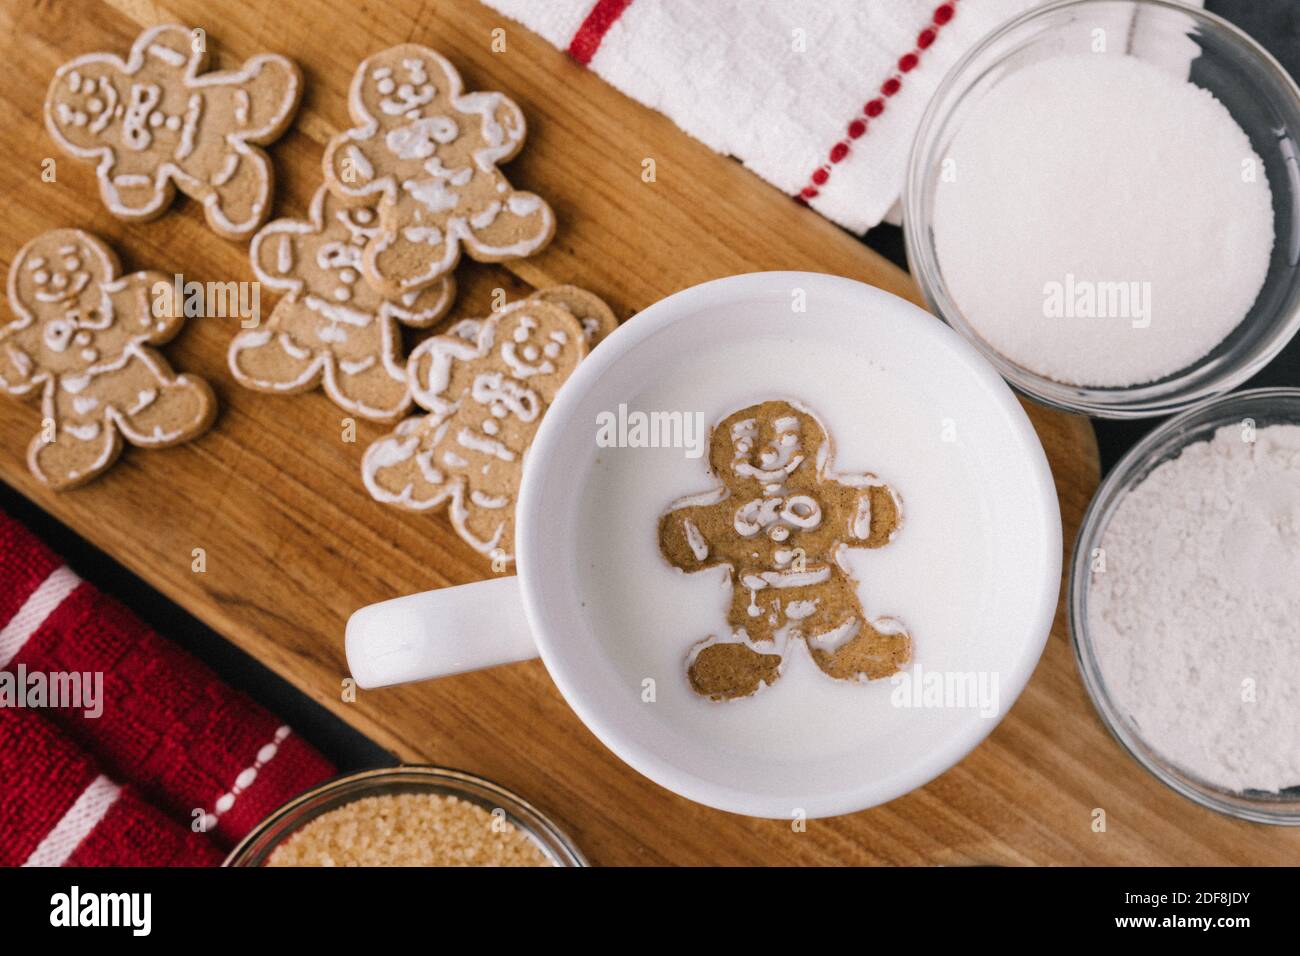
x=1184, y=604
x=1103, y=197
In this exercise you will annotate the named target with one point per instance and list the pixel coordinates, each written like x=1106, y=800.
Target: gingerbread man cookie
x=81, y=339
x=592, y=312
x=780, y=523
x=331, y=325
x=486, y=399
x=427, y=153
x=153, y=123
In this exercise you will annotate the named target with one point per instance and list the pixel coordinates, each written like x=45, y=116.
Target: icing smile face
x=529, y=351
x=410, y=97
x=70, y=307
x=340, y=261
x=766, y=456
x=402, y=88
x=90, y=104
x=86, y=103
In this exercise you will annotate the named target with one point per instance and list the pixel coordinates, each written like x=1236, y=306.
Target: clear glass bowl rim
x=1148, y=400
x=1162, y=444
x=287, y=817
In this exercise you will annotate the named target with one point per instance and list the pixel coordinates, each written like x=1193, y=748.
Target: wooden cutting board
x=293, y=544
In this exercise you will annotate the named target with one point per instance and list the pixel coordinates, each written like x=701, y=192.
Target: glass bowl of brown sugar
x=407, y=816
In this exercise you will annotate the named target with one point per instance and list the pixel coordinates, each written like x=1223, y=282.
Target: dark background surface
x=1274, y=23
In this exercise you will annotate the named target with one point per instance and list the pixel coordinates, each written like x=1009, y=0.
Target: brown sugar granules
x=409, y=829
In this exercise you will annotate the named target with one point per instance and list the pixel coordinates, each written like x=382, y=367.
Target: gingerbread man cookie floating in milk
x=331, y=326
x=780, y=523
x=156, y=122
x=427, y=153
x=81, y=340
x=486, y=397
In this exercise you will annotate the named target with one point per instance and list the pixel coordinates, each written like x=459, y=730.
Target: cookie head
x=98, y=103
x=84, y=100
x=398, y=83
x=538, y=346
x=767, y=447
x=430, y=127
x=57, y=284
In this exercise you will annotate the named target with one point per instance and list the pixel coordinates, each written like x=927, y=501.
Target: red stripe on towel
x=136, y=833
x=185, y=743
x=46, y=820
x=859, y=125
x=587, y=40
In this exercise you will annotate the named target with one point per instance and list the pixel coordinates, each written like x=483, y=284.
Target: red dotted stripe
x=859, y=125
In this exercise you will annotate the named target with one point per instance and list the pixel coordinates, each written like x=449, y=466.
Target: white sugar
x=1194, y=617
x=1102, y=222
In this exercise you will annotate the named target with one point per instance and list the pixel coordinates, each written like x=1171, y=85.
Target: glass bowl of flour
x=1185, y=604
x=1103, y=197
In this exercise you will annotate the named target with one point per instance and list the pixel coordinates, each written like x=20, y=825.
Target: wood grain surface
x=294, y=544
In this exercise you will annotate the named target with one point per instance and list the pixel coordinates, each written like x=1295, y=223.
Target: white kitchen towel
x=819, y=97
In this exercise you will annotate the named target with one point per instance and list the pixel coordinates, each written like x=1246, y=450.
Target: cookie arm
x=683, y=543
x=350, y=173
x=875, y=516
x=19, y=346
x=422, y=308
x=268, y=89
x=513, y=227
x=146, y=306
x=400, y=468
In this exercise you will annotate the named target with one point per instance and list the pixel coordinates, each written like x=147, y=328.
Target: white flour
x=1196, y=617
x=1097, y=221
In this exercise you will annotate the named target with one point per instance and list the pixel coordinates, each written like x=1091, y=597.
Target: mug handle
x=439, y=633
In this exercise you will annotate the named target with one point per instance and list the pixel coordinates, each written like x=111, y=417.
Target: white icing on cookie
x=699, y=547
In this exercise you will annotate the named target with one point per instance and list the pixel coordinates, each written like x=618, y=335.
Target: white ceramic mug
x=996, y=496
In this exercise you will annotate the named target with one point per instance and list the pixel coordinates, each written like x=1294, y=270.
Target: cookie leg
x=399, y=469
x=485, y=517
x=874, y=650
x=137, y=197
x=510, y=228
x=237, y=197
x=268, y=361
x=156, y=408
x=411, y=258
x=731, y=670
x=80, y=451
x=372, y=386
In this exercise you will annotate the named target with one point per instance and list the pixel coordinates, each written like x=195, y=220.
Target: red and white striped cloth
x=177, y=767
x=821, y=98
